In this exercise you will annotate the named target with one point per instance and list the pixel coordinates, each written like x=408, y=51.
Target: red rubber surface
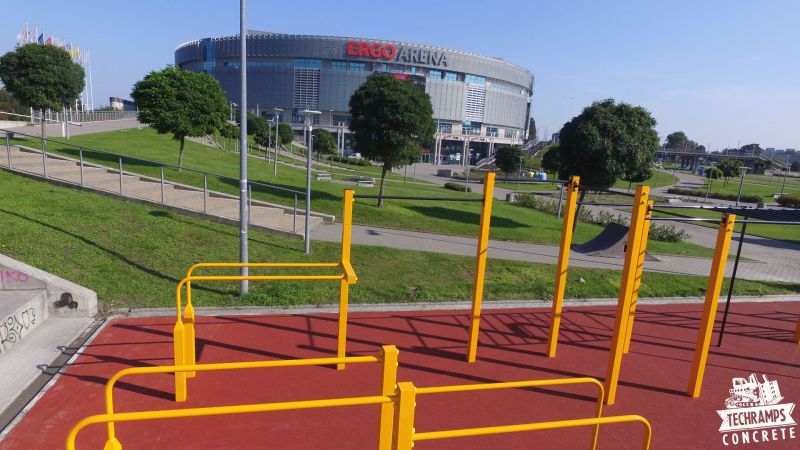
x=432, y=347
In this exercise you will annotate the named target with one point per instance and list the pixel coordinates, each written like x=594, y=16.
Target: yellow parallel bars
x=406, y=435
x=388, y=360
x=480, y=266
x=184, y=331
x=710, y=307
x=563, y=264
x=626, y=291
x=637, y=283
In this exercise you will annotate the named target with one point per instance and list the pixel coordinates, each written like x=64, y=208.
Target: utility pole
x=243, y=192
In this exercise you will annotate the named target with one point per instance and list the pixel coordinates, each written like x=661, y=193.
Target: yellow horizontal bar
x=507, y=385
x=221, y=410
x=533, y=427
x=349, y=272
x=235, y=264
x=263, y=277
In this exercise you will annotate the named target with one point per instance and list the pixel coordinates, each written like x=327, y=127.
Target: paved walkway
x=54, y=130
x=214, y=205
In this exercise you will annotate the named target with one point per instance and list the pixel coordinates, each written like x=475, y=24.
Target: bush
x=717, y=195
x=351, y=161
x=791, y=201
x=456, y=187
x=664, y=233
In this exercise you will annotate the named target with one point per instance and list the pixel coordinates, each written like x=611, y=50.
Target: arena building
x=479, y=102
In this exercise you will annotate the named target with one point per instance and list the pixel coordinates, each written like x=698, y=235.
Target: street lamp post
x=741, y=182
x=785, y=171
x=309, y=116
x=244, y=212
x=277, y=121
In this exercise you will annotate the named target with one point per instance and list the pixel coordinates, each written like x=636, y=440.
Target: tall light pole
x=309, y=115
x=741, y=182
x=785, y=171
x=243, y=207
x=278, y=112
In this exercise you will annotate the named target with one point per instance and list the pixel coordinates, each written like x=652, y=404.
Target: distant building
x=556, y=137
x=119, y=104
x=790, y=151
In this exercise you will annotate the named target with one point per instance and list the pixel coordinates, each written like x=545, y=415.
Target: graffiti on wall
x=16, y=325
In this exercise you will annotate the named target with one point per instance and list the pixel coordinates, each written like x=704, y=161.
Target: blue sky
x=722, y=71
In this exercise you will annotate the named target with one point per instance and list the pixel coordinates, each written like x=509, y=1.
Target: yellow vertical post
x=389, y=355
x=710, y=306
x=404, y=425
x=344, y=284
x=637, y=281
x=180, y=349
x=480, y=265
x=626, y=291
x=189, y=334
x=563, y=264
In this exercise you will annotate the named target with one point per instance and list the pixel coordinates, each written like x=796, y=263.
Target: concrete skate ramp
x=610, y=243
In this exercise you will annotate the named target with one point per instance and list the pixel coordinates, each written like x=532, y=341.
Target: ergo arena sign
x=391, y=52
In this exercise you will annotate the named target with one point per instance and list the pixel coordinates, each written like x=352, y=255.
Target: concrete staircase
x=183, y=198
x=41, y=315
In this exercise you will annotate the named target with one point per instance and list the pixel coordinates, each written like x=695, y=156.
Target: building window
x=446, y=128
x=298, y=117
x=357, y=67
x=473, y=128
x=492, y=132
x=339, y=119
x=435, y=74
x=506, y=87
x=306, y=83
x=474, y=102
x=474, y=79
x=339, y=65
x=511, y=134
x=451, y=76
x=308, y=64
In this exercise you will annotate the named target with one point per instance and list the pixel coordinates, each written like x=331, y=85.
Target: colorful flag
x=49, y=40
x=41, y=39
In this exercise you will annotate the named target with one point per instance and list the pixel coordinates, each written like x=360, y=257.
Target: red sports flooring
x=432, y=348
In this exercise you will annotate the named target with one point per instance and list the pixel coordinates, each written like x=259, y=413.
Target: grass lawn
x=133, y=255
x=754, y=185
x=509, y=222
x=789, y=233
x=658, y=179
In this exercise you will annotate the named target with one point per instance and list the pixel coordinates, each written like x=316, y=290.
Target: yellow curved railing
x=184, y=331
x=388, y=360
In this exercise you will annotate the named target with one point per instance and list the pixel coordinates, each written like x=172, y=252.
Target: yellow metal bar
x=637, y=279
x=563, y=264
x=710, y=307
x=257, y=264
x=404, y=422
x=626, y=292
x=348, y=274
x=347, y=224
x=341, y=338
x=264, y=277
x=221, y=410
x=480, y=265
x=389, y=357
x=538, y=426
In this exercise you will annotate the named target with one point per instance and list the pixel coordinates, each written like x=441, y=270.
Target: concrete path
x=541, y=253
x=54, y=130
x=215, y=205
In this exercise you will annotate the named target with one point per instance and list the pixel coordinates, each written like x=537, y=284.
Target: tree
x=324, y=143
x=285, y=134
x=229, y=131
x=795, y=166
x=265, y=137
x=679, y=140
x=181, y=103
x=9, y=103
x=713, y=173
x=256, y=124
x=730, y=168
x=751, y=149
x=759, y=166
x=508, y=159
x=607, y=141
x=390, y=119
x=532, y=129
x=42, y=77
x=551, y=159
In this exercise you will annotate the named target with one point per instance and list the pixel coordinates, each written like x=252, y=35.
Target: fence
x=71, y=115
x=155, y=172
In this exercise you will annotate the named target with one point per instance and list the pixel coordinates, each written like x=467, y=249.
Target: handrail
x=157, y=163
x=596, y=421
x=222, y=410
x=520, y=384
x=388, y=358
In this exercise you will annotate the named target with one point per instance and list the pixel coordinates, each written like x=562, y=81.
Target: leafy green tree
x=678, y=140
x=751, y=149
x=759, y=166
x=795, y=167
x=607, y=141
x=10, y=104
x=532, y=128
x=256, y=124
x=551, y=158
x=42, y=77
x=324, y=143
x=265, y=137
x=285, y=134
x=730, y=168
x=713, y=173
x=229, y=131
x=390, y=119
x=182, y=103
x=508, y=159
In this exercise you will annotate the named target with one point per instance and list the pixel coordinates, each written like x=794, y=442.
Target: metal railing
x=103, y=155
x=388, y=360
x=72, y=116
x=184, y=330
